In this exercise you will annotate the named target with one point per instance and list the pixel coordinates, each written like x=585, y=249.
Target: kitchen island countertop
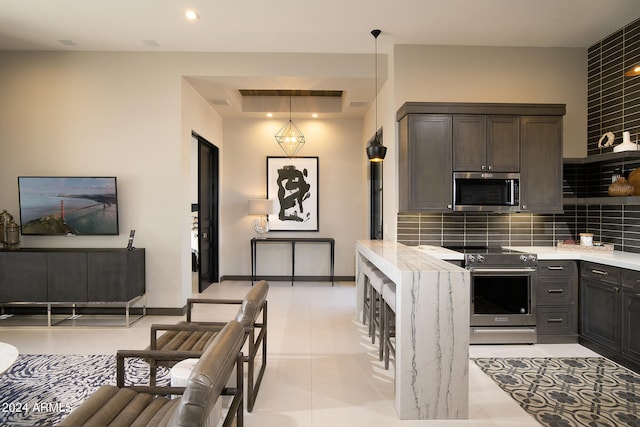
x=432, y=328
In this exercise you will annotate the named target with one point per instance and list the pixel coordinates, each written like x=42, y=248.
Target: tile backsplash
x=619, y=225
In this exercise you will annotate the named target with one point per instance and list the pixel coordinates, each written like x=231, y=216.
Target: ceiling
x=327, y=26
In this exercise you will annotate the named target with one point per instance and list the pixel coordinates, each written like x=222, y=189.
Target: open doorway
x=205, y=213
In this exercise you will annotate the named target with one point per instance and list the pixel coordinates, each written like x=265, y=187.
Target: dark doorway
x=208, y=213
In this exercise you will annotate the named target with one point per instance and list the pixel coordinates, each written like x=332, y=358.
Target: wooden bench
x=146, y=405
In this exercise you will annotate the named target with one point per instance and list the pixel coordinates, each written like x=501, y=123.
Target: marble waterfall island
x=432, y=329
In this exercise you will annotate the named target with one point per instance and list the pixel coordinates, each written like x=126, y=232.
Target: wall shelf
x=611, y=201
x=610, y=157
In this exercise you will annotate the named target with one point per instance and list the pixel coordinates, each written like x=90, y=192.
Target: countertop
x=616, y=258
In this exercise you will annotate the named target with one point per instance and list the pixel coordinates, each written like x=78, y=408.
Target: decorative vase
x=621, y=188
x=634, y=179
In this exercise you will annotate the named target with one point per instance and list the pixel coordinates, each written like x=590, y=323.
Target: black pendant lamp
x=375, y=150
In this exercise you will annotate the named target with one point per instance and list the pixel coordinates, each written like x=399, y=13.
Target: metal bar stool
x=388, y=321
x=377, y=280
x=367, y=269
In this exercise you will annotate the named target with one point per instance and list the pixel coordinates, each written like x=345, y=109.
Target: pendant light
x=289, y=137
x=375, y=150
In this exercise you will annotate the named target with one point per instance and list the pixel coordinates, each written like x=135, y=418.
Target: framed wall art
x=292, y=182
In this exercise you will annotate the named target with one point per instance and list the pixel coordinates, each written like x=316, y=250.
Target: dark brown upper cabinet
x=425, y=163
x=486, y=143
x=437, y=138
x=541, y=164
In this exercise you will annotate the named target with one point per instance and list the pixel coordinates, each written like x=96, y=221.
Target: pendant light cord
x=375, y=34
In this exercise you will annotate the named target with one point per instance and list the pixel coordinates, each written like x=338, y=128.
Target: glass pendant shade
x=290, y=138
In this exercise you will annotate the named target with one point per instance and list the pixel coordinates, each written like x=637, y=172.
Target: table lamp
x=262, y=207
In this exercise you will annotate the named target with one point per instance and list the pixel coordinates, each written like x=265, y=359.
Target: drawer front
x=555, y=291
x=557, y=269
x=601, y=272
x=560, y=320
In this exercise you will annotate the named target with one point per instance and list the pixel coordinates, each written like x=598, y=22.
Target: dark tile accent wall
x=613, y=100
x=615, y=224
x=480, y=229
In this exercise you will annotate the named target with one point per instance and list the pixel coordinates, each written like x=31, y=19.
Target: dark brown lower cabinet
x=557, y=302
x=71, y=275
x=610, y=312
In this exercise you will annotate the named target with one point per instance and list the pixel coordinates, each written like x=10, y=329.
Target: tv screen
x=80, y=206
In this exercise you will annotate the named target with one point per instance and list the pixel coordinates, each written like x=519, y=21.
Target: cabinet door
x=67, y=276
x=23, y=277
x=600, y=305
x=115, y=275
x=631, y=322
x=469, y=143
x=425, y=174
x=503, y=143
x=541, y=164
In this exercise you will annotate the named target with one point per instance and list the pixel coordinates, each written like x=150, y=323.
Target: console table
x=72, y=277
x=292, y=241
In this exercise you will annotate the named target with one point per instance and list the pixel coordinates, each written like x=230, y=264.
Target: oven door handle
x=502, y=270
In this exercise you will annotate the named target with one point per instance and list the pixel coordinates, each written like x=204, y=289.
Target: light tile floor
x=322, y=370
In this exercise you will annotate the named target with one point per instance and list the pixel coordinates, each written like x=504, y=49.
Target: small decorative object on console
x=9, y=230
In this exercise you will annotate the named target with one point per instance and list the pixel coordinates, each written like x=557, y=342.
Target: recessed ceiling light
x=269, y=114
x=314, y=115
x=191, y=15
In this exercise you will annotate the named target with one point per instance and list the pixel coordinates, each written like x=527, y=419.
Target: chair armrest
x=193, y=301
x=151, y=356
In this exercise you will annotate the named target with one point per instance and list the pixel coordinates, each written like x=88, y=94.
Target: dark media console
x=72, y=276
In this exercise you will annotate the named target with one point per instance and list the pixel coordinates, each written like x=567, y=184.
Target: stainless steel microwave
x=486, y=192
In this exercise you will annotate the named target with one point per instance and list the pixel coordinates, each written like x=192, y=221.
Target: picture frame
x=293, y=185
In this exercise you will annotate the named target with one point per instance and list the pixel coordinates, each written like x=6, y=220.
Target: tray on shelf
x=597, y=247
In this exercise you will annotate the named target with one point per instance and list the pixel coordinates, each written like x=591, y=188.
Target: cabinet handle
x=449, y=207
x=616, y=289
x=555, y=291
x=602, y=273
x=554, y=321
x=555, y=267
x=489, y=167
x=483, y=167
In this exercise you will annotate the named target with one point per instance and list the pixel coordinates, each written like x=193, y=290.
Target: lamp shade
x=260, y=206
x=376, y=152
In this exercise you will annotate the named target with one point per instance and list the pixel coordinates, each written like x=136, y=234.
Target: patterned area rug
x=39, y=390
x=559, y=392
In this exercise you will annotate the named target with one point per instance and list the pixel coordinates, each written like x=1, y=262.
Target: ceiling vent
x=220, y=102
x=358, y=104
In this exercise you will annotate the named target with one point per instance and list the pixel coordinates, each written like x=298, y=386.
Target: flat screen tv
x=82, y=206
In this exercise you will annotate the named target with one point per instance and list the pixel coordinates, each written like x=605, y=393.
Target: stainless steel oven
x=503, y=296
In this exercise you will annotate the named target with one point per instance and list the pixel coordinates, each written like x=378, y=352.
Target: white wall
x=482, y=74
x=131, y=115
x=338, y=145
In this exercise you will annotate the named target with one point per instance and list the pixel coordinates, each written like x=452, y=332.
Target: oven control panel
x=501, y=260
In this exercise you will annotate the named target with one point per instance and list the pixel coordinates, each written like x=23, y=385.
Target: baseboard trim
x=288, y=278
